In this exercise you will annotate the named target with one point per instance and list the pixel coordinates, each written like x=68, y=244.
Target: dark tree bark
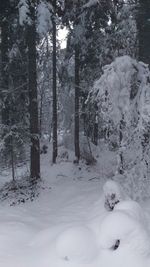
x=54, y=88
x=4, y=24
x=121, y=128
x=95, y=126
x=33, y=100
x=77, y=97
x=143, y=25
x=95, y=137
x=77, y=85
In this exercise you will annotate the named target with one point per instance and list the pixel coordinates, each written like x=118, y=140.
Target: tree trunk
x=41, y=113
x=121, y=127
x=95, y=137
x=12, y=159
x=77, y=94
x=33, y=100
x=4, y=24
x=143, y=25
x=54, y=89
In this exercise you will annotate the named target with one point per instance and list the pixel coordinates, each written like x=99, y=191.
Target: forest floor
x=61, y=227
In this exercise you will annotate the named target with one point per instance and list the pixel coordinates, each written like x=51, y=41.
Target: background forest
x=95, y=91
x=75, y=133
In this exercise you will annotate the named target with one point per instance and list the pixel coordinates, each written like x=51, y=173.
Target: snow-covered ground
x=68, y=225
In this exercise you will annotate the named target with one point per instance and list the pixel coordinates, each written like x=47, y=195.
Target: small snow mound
x=119, y=225
x=77, y=244
x=133, y=209
x=113, y=194
x=115, y=226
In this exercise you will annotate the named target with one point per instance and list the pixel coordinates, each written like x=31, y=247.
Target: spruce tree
x=33, y=99
x=54, y=86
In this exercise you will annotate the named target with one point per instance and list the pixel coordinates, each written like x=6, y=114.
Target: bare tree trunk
x=77, y=95
x=54, y=89
x=4, y=24
x=121, y=167
x=41, y=113
x=33, y=100
x=143, y=25
x=12, y=159
x=95, y=137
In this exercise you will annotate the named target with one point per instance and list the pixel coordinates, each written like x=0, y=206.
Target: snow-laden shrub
x=122, y=95
x=123, y=85
x=113, y=194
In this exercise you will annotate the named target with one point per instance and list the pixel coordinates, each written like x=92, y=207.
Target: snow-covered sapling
x=112, y=194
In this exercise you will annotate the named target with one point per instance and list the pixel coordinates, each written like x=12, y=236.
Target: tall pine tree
x=33, y=99
x=54, y=86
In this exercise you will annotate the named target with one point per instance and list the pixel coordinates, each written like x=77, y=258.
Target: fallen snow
x=134, y=247
x=77, y=244
x=133, y=209
x=68, y=226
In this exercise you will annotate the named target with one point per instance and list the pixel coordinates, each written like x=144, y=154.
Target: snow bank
x=77, y=244
x=133, y=209
x=124, y=226
x=65, y=231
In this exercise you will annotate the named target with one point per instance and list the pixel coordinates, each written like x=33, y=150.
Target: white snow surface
x=68, y=226
x=133, y=209
x=77, y=244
